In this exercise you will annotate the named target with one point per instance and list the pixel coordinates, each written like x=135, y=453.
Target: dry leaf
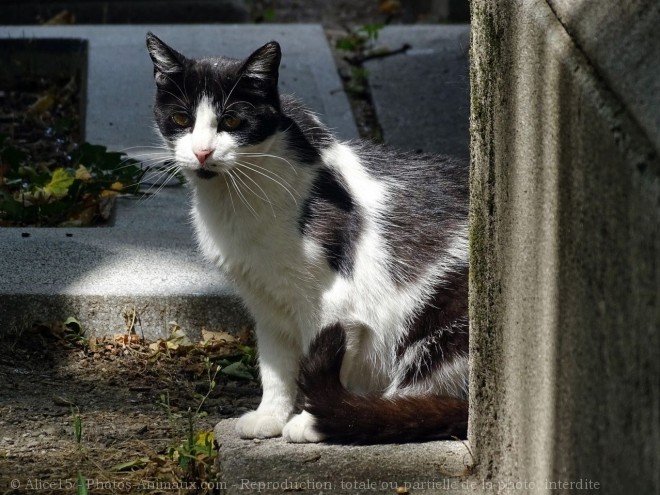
x=245, y=336
x=64, y=17
x=42, y=105
x=156, y=346
x=389, y=6
x=106, y=204
x=208, y=335
x=83, y=174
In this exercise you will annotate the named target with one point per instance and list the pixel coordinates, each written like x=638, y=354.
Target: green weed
x=358, y=40
x=196, y=453
x=81, y=485
x=74, y=334
x=77, y=424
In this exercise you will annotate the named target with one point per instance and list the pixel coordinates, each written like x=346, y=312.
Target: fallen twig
x=359, y=59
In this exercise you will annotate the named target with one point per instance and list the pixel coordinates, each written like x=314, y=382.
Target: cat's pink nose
x=202, y=155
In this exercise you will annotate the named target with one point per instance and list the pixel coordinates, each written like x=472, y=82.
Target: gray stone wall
x=565, y=244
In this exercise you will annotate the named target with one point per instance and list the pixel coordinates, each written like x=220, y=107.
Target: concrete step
x=422, y=96
x=273, y=467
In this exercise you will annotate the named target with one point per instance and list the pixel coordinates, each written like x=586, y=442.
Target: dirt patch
x=68, y=409
x=40, y=115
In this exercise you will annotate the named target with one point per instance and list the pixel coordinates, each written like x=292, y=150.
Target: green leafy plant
x=357, y=40
x=371, y=31
x=80, y=193
x=269, y=15
x=74, y=333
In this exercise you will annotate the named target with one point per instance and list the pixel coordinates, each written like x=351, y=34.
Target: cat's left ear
x=167, y=61
x=264, y=63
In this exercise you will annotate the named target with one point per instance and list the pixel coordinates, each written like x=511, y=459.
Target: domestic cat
x=353, y=259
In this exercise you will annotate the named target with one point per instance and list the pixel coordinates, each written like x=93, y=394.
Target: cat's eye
x=181, y=119
x=230, y=122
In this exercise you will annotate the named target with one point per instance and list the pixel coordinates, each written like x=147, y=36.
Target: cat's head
x=212, y=109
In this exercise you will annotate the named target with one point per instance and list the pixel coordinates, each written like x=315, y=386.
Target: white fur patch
x=206, y=124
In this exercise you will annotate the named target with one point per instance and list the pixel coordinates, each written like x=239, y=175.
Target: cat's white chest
x=266, y=258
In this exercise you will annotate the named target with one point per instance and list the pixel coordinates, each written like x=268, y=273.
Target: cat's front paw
x=300, y=429
x=257, y=424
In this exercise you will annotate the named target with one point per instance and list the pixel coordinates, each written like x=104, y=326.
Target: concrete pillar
x=565, y=245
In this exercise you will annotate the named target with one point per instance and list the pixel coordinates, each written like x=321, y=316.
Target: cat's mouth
x=205, y=173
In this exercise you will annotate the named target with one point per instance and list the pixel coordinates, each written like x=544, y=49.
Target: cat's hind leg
x=301, y=429
x=342, y=416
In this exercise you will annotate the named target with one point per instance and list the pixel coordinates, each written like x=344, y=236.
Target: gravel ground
x=116, y=390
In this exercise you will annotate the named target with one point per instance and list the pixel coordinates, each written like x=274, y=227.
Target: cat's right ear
x=167, y=61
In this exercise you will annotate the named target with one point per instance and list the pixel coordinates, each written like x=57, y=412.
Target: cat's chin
x=204, y=173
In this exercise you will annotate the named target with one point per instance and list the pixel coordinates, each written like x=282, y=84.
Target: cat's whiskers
x=287, y=129
x=231, y=199
x=185, y=100
x=181, y=106
x=160, y=153
x=146, y=195
x=185, y=90
x=266, y=170
x=168, y=173
x=261, y=171
x=152, y=163
x=266, y=198
x=143, y=147
x=240, y=194
x=149, y=162
x=267, y=155
x=141, y=157
x=183, y=103
x=239, y=179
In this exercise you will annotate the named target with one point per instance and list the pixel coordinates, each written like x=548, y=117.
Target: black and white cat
x=352, y=259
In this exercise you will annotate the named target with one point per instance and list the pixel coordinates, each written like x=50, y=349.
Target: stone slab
x=273, y=466
x=422, y=96
x=148, y=255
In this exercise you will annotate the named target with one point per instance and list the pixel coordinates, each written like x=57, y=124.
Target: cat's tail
x=348, y=418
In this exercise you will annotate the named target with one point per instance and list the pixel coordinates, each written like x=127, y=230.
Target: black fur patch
x=306, y=136
x=298, y=143
x=424, y=212
x=331, y=217
x=204, y=173
x=439, y=332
